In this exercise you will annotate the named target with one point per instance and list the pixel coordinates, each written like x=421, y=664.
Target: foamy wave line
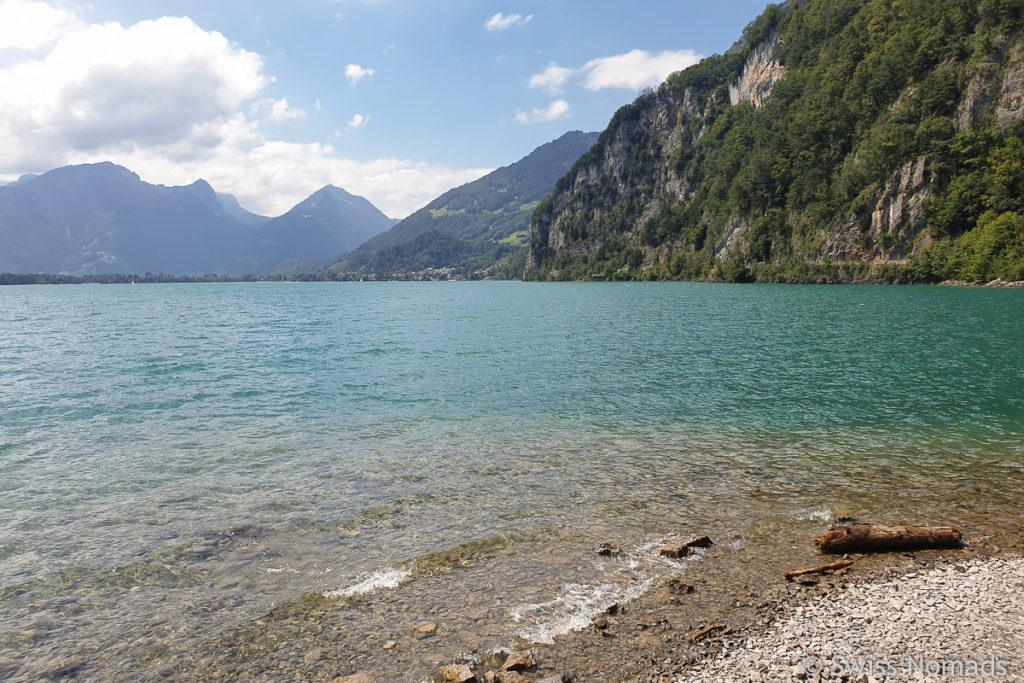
x=578, y=604
x=820, y=514
x=380, y=579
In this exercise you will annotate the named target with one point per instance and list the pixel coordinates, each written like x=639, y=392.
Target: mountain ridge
x=102, y=218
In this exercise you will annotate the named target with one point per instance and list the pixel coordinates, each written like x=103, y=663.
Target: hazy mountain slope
x=236, y=210
x=838, y=139
x=484, y=211
x=101, y=218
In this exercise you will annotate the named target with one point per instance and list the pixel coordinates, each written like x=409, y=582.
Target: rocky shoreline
x=1015, y=284
x=727, y=615
x=921, y=616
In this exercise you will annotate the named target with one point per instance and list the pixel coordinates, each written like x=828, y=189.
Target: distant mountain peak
x=336, y=192
x=204, y=190
x=329, y=222
x=103, y=170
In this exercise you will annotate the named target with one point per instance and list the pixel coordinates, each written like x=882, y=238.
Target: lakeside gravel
x=960, y=621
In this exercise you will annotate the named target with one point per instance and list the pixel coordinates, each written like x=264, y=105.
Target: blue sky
x=396, y=100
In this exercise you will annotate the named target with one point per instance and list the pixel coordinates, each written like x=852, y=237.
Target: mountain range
x=837, y=140
x=97, y=219
x=102, y=218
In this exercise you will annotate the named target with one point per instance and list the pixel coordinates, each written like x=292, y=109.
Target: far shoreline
x=29, y=279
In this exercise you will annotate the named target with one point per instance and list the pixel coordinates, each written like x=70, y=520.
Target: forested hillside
x=471, y=227
x=837, y=140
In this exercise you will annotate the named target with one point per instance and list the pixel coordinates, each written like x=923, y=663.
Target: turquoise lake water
x=176, y=460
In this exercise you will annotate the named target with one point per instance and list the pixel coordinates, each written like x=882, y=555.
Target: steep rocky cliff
x=838, y=139
x=762, y=70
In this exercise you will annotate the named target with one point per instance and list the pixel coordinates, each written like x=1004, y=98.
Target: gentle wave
x=820, y=514
x=576, y=606
x=381, y=579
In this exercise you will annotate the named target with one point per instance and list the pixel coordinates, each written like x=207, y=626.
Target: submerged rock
x=354, y=678
x=512, y=677
x=673, y=550
x=680, y=586
x=700, y=542
x=676, y=547
x=519, y=661
x=457, y=673
x=424, y=630
x=607, y=549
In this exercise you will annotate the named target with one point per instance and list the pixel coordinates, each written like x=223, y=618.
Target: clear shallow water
x=176, y=460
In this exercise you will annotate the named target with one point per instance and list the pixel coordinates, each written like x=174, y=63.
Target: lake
x=196, y=475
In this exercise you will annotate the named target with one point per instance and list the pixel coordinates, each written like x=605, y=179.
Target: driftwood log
x=841, y=564
x=700, y=634
x=869, y=538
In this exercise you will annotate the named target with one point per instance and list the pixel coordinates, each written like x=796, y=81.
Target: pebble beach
x=959, y=620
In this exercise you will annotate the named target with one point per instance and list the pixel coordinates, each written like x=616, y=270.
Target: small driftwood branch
x=700, y=634
x=817, y=570
x=869, y=538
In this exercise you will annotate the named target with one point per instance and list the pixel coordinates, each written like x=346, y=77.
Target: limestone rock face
x=896, y=212
x=899, y=207
x=1011, y=98
x=761, y=71
x=982, y=90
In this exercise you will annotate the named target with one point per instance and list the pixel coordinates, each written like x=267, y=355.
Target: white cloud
x=277, y=110
x=28, y=25
x=355, y=73
x=357, y=121
x=558, y=109
x=174, y=103
x=156, y=82
x=500, y=22
x=636, y=69
x=552, y=78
